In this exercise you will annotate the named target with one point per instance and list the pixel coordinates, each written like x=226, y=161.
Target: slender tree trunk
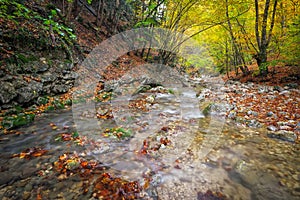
x=263, y=39
x=239, y=56
x=100, y=10
x=227, y=59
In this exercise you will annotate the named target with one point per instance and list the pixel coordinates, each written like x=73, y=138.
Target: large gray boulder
x=29, y=93
x=7, y=92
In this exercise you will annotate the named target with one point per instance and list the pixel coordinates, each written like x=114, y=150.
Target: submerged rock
x=288, y=136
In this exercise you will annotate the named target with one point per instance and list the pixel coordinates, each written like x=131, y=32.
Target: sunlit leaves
x=31, y=153
x=71, y=164
x=119, y=133
x=109, y=187
x=70, y=137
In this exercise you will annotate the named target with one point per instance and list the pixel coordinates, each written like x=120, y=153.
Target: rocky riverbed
x=253, y=105
x=187, y=154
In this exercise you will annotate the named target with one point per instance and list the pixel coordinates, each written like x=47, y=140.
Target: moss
x=15, y=121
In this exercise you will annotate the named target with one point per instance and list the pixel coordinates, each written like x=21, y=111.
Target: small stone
x=285, y=128
x=284, y=135
x=254, y=113
x=26, y=195
x=278, y=88
x=296, y=177
x=62, y=177
x=270, y=114
x=232, y=115
x=285, y=92
x=272, y=128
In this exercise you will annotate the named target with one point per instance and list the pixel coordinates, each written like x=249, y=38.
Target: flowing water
x=204, y=153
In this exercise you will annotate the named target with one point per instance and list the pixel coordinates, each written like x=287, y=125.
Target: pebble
x=270, y=114
x=285, y=128
x=26, y=195
x=284, y=135
x=272, y=128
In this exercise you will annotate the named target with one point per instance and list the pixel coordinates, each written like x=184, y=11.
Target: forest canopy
x=236, y=33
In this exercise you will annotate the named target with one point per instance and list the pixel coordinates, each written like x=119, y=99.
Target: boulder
x=7, y=92
x=29, y=93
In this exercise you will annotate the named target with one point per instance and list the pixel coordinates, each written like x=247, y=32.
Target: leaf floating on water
x=209, y=195
x=109, y=187
x=119, y=133
x=70, y=137
x=31, y=152
x=69, y=164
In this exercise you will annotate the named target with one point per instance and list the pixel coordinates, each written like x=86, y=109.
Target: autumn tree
x=263, y=32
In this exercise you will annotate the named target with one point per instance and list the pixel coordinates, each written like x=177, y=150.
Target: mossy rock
x=21, y=119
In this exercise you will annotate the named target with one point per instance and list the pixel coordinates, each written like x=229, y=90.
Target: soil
x=279, y=75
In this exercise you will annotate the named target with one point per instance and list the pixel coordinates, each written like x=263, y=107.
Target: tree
x=263, y=36
x=240, y=61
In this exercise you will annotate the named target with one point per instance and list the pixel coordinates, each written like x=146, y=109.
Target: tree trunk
x=264, y=39
x=237, y=52
x=99, y=18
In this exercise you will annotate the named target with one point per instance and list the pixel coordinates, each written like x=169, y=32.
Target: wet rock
x=28, y=171
x=2, y=73
x=29, y=93
x=19, y=83
x=272, y=128
x=270, y=114
x=232, y=115
x=281, y=123
x=36, y=67
x=284, y=135
x=285, y=128
x=285, y=92
x=62, y=88
x=292, y=85
x=48, y=77
x=7, y=92
x=26, y=195
x=5, y=178
x=70, y=76
x=253, y=124
x=249, y=112
x=278, y=88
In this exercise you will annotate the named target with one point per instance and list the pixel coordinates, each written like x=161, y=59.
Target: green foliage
x=13, y=10
x=18, y=120
x=207, y=109
x=146, y=23
x=16, y=12
x=68, y=102
x=50, y=108
x=171, y=91
x=148, y=16
x=291, y=45
x=42, y=100
x=14, y=111
x=58, y=28
x=264, y=66
x=119, y=133
x=75, y=135
x=58, y=104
